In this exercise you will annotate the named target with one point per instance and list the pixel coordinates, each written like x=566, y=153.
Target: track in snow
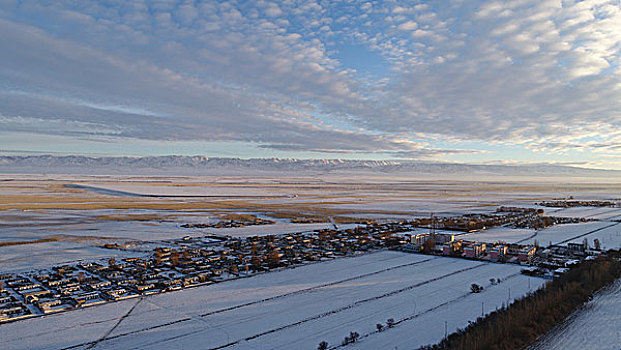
x=324, y=314
x=280, y=296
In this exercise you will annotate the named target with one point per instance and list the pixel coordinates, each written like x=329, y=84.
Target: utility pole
x=432, y=225
x=529, y=284
x=509, y=300
x=445, y=330
x=482, y=313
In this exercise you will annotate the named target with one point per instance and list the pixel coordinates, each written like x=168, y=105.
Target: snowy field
x=595, y=326
x=561, y=234
x=291, y=308
x=184, y=190
x=599, y=213
x=19, y=258
x=609, y=237
x=608, y=233
x=495, y=234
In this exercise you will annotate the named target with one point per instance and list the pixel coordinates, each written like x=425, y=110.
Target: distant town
x=197, y=261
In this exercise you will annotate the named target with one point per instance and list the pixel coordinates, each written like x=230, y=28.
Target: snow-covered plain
x=609, y=237
x=595, y=326
x=599, y=213
x=496, y=234
x=607, y=232
x=19, y=258
x=561, y=234
x=291, y=308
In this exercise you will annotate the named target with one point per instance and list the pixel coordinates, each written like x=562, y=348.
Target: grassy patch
x=43, y=240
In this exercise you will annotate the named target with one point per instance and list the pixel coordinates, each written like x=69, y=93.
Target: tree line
x=524, y=321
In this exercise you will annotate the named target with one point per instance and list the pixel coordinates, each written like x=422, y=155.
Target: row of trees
x=520, y=324
x=354, y=336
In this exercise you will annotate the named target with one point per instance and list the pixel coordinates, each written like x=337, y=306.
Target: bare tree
x=174, y=258
x=158, y=256
x=475, y=288
x=353, y=336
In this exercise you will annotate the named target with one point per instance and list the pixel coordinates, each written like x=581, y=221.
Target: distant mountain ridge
x=197, y=165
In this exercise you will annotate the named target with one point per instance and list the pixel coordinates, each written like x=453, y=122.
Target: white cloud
x=527, y=72
x=409, y=25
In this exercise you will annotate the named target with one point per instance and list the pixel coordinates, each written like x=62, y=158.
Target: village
x=194, y=261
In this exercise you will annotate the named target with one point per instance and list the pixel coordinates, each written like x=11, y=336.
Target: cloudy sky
x=458, y=81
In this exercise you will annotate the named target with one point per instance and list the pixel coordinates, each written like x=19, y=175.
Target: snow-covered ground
x=608, y=233
x=595, y=326
x=277, y=228
x=291, y=308
x=18, y=258
x=561, y=234
x=495, y=234
x=185, y=189
x=599, y=213
x=609, y=237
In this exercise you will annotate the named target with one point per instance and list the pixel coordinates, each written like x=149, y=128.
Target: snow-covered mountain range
x=200, y=165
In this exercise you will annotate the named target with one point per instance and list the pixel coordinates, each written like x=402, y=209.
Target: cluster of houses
x=10, y=306
x=230, y=223
x=474, y=222
x=242, y=256
x=446, y=244
x=177, y=264
x=504, y=216
x=46, y=291
x=578, y=203
x=549, y=261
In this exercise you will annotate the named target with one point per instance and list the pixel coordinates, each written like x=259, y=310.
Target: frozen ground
x=599, y=213
x=561, y=234
x=291, y=309
x=595, y=326
x=184, y=190
x=147, y=230
x=504, y=234
x=609, y=237
x=19, y=258
x=607, y=232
